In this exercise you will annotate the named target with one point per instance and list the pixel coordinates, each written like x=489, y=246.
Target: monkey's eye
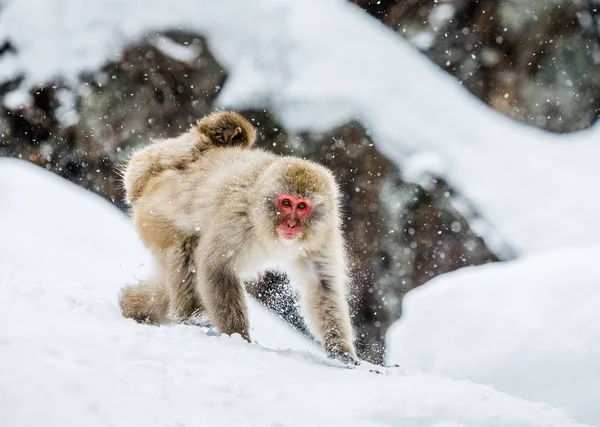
x=302, y=206
x=286, y=203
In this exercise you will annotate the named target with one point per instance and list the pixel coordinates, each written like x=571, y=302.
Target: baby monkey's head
x=226, y=129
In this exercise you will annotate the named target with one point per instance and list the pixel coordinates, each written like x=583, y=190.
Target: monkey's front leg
x=328, y=310
x=222, y=294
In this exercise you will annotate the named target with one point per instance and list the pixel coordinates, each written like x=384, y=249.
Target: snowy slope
x=317, y=63
x=67, y=357
x=529, y=327
x=65, y=232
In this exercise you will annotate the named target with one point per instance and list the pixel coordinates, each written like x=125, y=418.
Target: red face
x=293, y=212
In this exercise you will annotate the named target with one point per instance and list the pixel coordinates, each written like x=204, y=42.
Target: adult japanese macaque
x=214, y=211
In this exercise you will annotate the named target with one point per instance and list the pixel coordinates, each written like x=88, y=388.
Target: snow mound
x=46, y=225
x=67, y=354
x=318, y=63
x=529, y=327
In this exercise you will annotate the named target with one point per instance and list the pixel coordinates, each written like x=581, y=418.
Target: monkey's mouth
x=289, y=233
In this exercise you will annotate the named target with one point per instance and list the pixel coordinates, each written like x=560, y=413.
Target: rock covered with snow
x=535, y=61
x=529, y=327
x=84, y=129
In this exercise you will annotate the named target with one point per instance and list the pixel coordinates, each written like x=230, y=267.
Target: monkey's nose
x=291, y=223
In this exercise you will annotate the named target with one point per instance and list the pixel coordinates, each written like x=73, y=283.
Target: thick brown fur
x=145, y=303
x=204, y=203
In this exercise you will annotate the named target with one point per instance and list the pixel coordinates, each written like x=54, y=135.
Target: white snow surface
x=529, y=327
x=318, y=63
x=68, y=358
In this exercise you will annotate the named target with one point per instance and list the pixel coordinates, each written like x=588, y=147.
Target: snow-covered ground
x=317, y=63
x=68, y=358
x=529, y=327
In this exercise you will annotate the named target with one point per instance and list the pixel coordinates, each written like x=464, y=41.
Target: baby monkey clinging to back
x=213, y=210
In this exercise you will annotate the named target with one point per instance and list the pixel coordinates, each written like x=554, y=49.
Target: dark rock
x=146, y=94
x=535, y=61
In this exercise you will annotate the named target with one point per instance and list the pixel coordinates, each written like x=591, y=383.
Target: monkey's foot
x=206, y=326
x=344, y=356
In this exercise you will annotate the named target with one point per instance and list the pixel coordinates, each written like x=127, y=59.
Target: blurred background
x=82, y=86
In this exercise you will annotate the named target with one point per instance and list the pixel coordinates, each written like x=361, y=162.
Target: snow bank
x=67, y=356
x=317, y=63
x=46, y=225
x=529, y=327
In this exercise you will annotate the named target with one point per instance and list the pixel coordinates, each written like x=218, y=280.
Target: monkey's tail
x=226, y=129
x=145, y=303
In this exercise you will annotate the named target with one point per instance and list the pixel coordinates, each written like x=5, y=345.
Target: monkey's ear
x=235, y=136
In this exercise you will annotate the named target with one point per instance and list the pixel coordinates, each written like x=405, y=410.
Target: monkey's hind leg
x=222, y=294
x=145, y=302
x=184, y=298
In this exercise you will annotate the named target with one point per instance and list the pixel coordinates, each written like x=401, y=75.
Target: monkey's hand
x=342, y=354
